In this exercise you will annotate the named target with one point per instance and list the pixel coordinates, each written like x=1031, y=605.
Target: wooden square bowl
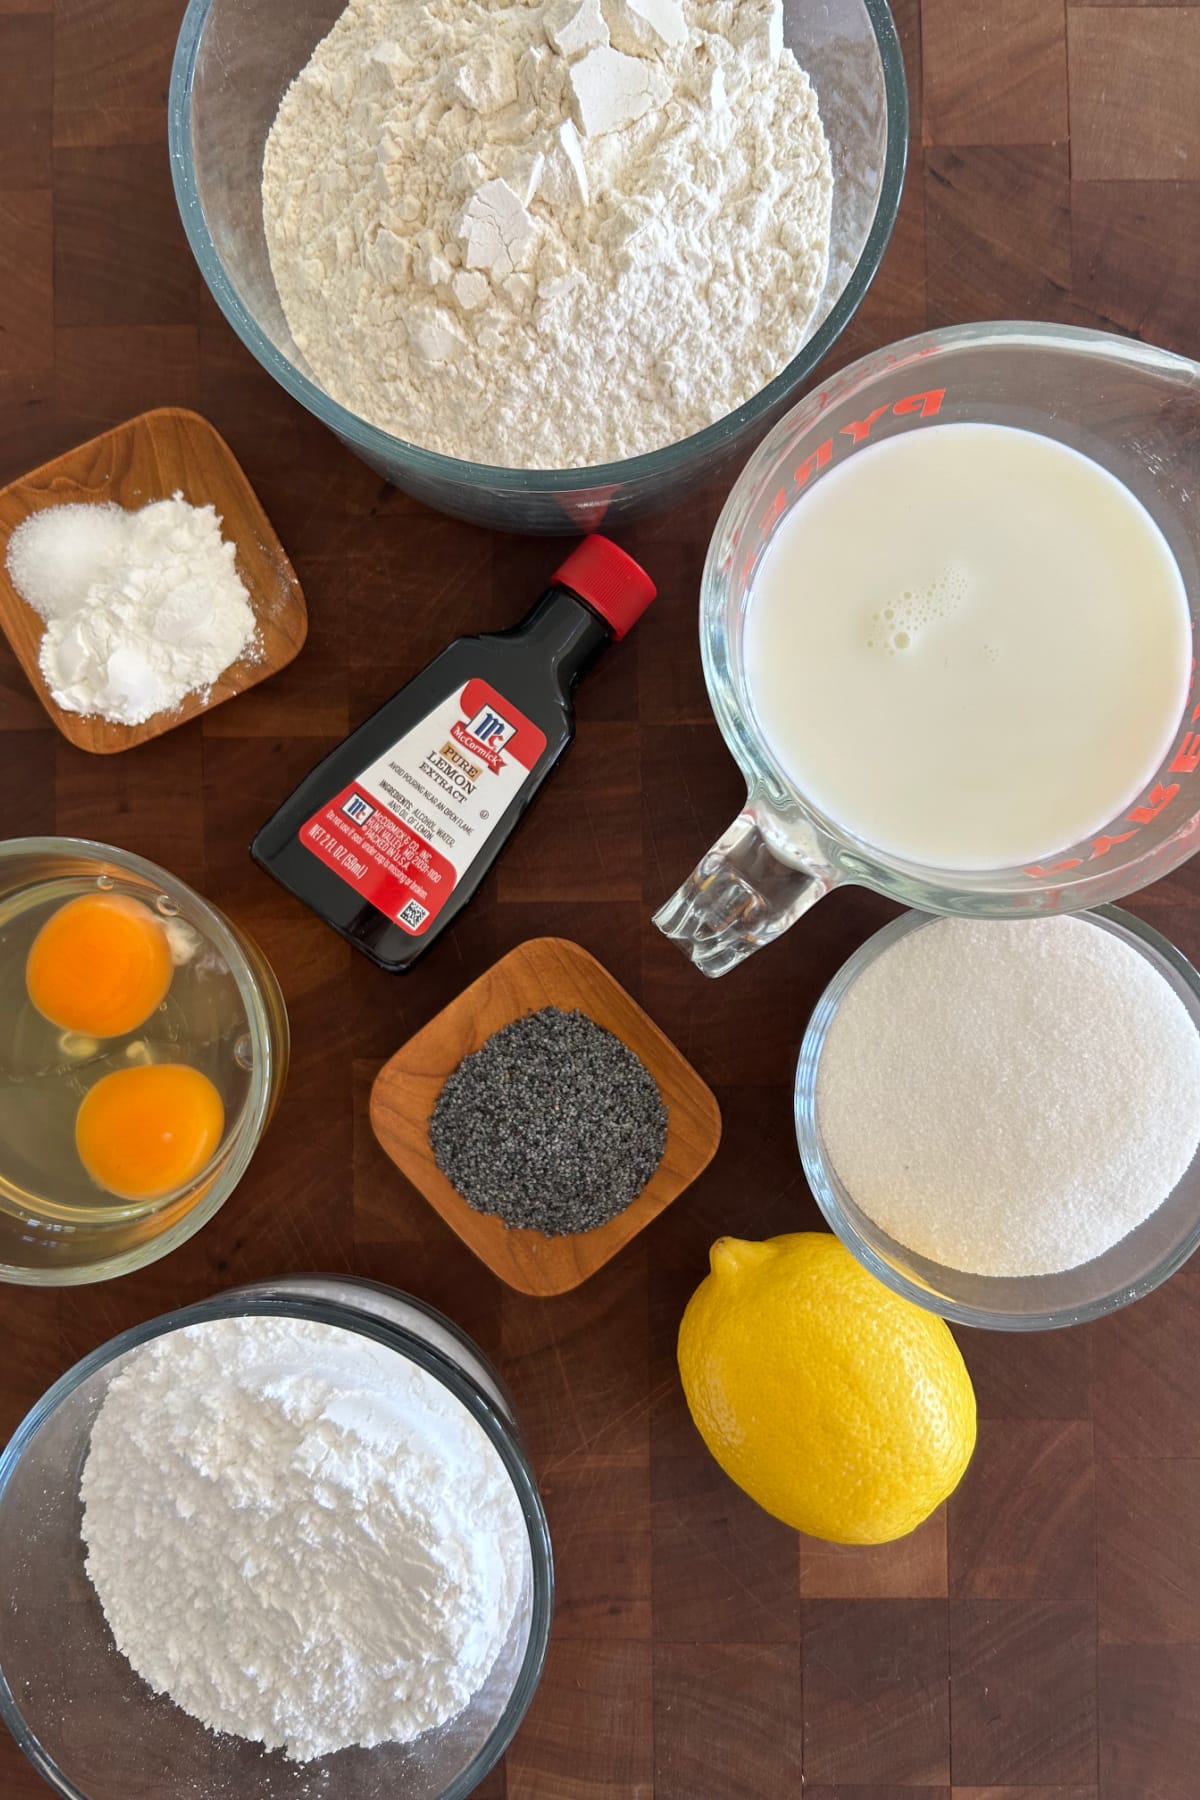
x=150, y=458
x=542, y=972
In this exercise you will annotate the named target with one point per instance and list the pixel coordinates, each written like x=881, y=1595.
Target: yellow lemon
x=841, y=1408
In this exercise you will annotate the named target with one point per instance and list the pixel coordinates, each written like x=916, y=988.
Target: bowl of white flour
x=1001, y=1118
x=282, y=1543
x=540, y=264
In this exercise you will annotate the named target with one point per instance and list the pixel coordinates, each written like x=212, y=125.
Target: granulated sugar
x=54, y=554
x=1010, y=1099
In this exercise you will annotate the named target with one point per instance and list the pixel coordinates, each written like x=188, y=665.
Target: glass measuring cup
x=1130, y=407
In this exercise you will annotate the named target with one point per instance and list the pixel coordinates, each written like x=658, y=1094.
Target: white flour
x=297, y=1536
x=548, y=235
x=142, y=608
x=1010, y=1099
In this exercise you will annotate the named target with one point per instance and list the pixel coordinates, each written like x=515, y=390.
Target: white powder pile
x=546, y=236
x=141, y=608
x=1010, y=1099
x=53, y=555
x=297, y=1536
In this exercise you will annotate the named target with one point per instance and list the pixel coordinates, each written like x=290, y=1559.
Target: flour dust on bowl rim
x=92, y=1727
x=1132, y=1268
x=233, y=62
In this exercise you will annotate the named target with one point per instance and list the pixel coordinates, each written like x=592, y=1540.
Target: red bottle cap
x=600, y=573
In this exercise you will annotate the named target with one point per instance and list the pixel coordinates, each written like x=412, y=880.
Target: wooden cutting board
x=542, y=972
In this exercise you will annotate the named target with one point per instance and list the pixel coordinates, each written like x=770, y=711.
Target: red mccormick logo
x=490, y=730
x=485, y=736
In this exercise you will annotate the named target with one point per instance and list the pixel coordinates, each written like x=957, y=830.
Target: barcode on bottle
x=414, y=914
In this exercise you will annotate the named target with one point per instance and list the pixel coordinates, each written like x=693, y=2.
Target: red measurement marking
x=1187, y=757
x=821, y=456
x=778, y=502
x=861, y=428
x=1157, y=799
x=1104, y=844
x=926, y=404
x=1187, y=761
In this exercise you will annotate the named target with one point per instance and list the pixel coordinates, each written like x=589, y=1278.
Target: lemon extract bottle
x=389, y=837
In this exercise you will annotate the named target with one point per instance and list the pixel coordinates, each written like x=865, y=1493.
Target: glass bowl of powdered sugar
x=1001, y=1118
x=283, y=1544
x=544, y=264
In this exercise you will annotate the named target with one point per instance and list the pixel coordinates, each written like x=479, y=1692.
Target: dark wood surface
x=1039, y=1640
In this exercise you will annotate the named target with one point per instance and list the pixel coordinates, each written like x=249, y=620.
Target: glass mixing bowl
x=232, y=64
x=1123, y=1274
x=50, y=1233
x=93, y=1729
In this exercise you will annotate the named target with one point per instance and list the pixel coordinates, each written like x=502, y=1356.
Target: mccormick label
x=407, y=829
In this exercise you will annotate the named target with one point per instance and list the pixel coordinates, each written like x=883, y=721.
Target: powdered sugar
x=142, y=608
x=548, y=235
x=298, y=1536
x=1010, y=1098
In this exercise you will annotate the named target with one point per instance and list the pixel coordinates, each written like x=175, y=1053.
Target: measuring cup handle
x=737, y=898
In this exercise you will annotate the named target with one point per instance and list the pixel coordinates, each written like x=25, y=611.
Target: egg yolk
x=143, y=1132
x=100, y=965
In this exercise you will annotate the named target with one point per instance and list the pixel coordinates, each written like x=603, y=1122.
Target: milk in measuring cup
x=968, y=645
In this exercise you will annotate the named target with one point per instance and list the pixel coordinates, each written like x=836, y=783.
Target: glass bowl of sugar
x=1001, y=1119
x=622, y=355
x=298, y=1514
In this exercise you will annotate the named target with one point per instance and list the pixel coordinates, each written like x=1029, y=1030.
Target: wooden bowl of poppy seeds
x=545, y=1116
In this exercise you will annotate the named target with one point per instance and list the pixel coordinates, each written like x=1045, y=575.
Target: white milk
x=969, y=646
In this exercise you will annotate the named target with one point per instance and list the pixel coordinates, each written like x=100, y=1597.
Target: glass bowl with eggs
x=540, y=265
x=144, y=1045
